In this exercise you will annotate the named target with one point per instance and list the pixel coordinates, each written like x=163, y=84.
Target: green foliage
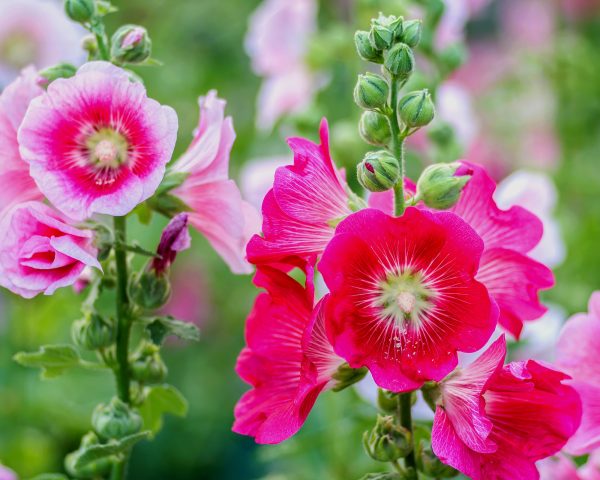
x=54, y=360
x=160, y=400
x=159, y=328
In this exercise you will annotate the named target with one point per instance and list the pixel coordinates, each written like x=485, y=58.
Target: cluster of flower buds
x=387, y=441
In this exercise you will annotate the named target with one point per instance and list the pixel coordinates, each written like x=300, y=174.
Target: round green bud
x=90, y=45
x=416, y=109
x=61, y=70
x=365, y=49
x=374, y=128
x=149, y=290
x=431, y=465
x=115, y=420
x=400, y=61
x=371, y=91
x=411, y=32
x=345, y=376
x=439, y=187
x=387, y=401
x=387, y=441
x=148, y=367
x=381, y=37
x=378, y=172
x=130, y=44
x=94, y=332
x=80, y=11
x=392, y=23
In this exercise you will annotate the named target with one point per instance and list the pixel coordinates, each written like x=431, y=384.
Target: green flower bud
x=346, y=376
x=149, y=291
x=400, y=61
x=416, y=109
x=392, y=23
x=379, y=171
x=439, y=187
x=365, y=49
x=131, y=44
x=374, y=128
x=387, y=401
x=411, y=32
x=381, y=37
x=90, y=45
x=61, y=70
x=387, y=441
x=431, y=465
x=453, y=57
x=431, y=394
x=148, y=367
x=371, y=91
x=94, y=332
x=115, y=420
x=80, y=11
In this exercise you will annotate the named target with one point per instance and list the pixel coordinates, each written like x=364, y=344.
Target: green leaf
x=160, y=328
x=135, y=248
x=144, y=213
x=50, y=476
x=172, y=180
x=160, y=400
x=52, y=359
x=94, y=453
x=104, y=7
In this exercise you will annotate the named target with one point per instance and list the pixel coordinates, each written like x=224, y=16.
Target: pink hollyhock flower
x=557, y=468
x=17, y=184
x=218, y=211
x=493, y=422
x=7, y=474
x=40, y=252
x=404, y=298
x=174, y=239
x=288, y=359
x=591, y=470
x=306, y=201
x=578, y=346
x=96, y=143
x=529, y=24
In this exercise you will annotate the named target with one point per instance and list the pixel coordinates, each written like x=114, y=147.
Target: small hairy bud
x=400, y=61
x=131, y=44
x=61, y=70
x=148, y=367
x=149, y=290
x=374, y=128
x=371, y=91
x=411, y=32
x=439, y=186
x=94, y=332
x=431, y=465
x=387, y=441
x=80, y=11
x=365, y=50
x=115, y=420
x=416, y=109
x=378, y=172
x=381, y=37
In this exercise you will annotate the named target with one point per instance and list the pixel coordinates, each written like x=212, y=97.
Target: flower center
x=107, y=149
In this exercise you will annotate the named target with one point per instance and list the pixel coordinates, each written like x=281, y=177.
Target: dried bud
x=131, y=44
x=346, y=376
x=411, y=32
x=148, y=367
x=400, y=61
x=431, y=465
x=365, y=49
x=61, y=70
x=94, y=332
x=439, y=186
x=80, y=11
x=374, y=128
x=416, y=109
x=148, y=290
x=379, y=171
x=387, y=441
x=371, y=91
x=175, y=238
x=115, y=420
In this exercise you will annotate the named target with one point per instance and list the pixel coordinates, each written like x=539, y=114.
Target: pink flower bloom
x=578, y=347
x=529, y=24
x=17, y=184
x=591, y=470
x=175, y=238
x=96, y=143
x=494, y=422
x=580, y=9
x=300, y=211
x=288, y=359
x=40, y=252
x=404, y=298
x=557, y=468
x=218, y=211
x=7, y=474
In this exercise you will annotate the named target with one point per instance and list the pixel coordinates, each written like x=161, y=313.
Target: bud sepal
x=379, y=171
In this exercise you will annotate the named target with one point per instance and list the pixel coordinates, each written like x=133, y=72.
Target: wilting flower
x=17, y=184
x=7, y=474
x=577, y=350
x=174, y=239
x=35, y=32
x=493, y=422
x=288, y=359
x=301, y=210
x=96, y=143
x=404, y=298
x=218, y=210
x=40, y=252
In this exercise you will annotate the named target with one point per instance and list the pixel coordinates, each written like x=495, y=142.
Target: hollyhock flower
x=96, y=143
x=35, y=32
x=7, y=474
x=307, y=199
x=578, y=346
x=404, y=298
x=218, y=211
x=288, y=359
x=40, y=252
x=17, y=184
x=557, y=468
x=494, y=422
x=174, y=239
x=591, y=470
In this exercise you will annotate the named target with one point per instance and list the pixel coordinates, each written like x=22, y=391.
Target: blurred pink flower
x=7, y=474
x=454, y=105
x=557, y=468
x=218, y=211
x=591, y=470
x=190, y=299
x=580, y=9
x=257, y=177
x=528, y=24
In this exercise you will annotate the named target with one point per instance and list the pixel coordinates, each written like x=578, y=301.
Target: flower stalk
x=405, y=417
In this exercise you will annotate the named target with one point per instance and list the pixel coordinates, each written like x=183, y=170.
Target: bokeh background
x=517, y=85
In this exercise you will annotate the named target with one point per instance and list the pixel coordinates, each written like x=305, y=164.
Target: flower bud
x=80, y=11
x=346, y=376
x=387, y=441
x=365, y=49
x=148, y=367
x=387, y=401
x=431, y=465
x=149, y=290
x=115, y=420
x=381, y=37
x=94, y=332
x=131, y=44
x=400, y=61
x=392, y=23
x=439, y=187
x=411, y=32
x=371, y=91
x=61, y=70
x=379, y=171
x=374, y=128
x=416, y=109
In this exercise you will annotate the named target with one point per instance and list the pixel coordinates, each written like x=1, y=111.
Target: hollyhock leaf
x=91, y=454
x=54, y=360
x=158, y=401
x=159, y=328
x=50, y=476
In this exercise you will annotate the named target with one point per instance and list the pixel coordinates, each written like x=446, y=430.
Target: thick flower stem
x=405, y=414
x=397, y=147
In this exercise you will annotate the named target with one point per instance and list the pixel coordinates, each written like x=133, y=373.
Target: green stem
x=97, y=28
x=397, y=147
x=405, y=414
x=119, y=470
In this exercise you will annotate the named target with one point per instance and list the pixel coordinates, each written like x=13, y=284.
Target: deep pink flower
x=40, y=252
x=306, y=201
x=493, y=422
x=404, y=298
x=578, y=349
x=288, y=359
x=96, y=143
x=174, y=239
x=17, y=184
x=218, y=210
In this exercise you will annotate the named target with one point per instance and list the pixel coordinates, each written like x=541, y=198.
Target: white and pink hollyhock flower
x=96, y=143
x=578, y=347
x=7, y=474
x=217, y=208
x=17, y=184
x=288, y=359
x=41, y=252
x=404, y=298
x=494, y=421
x=300, y=212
